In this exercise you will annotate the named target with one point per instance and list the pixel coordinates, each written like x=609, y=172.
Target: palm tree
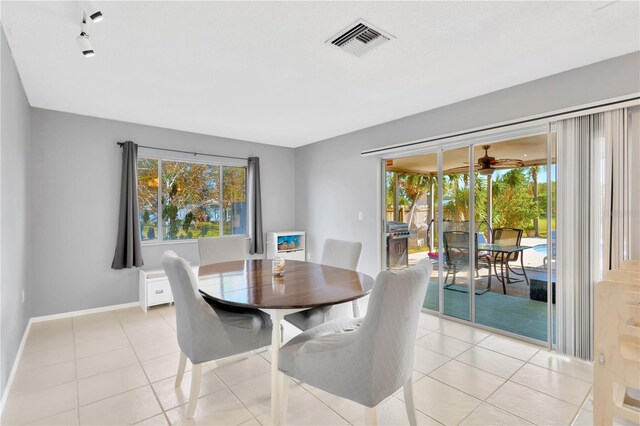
x=414, y=186
x=514, y=177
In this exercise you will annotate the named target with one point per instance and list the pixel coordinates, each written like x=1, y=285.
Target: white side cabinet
x=154, y=289
x=290, y=245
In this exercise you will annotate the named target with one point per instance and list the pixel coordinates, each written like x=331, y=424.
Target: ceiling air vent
x=359, y=38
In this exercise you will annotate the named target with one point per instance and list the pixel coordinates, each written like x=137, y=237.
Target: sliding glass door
x=456, y=238
x=484, y=212
x=512, y=178
x=411, y=197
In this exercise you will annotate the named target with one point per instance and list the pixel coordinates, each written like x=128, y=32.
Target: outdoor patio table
x=503, y=251
x=251, y=284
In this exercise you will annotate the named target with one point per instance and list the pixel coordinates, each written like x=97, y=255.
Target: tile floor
x=119, y=368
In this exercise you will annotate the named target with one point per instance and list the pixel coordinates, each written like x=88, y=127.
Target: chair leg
x=370, y=416
x=495, y=268
x=285, y=397
x=196, y=376
x=447, y=277
x=356, y=309
x=181, y=366
x=408, y=402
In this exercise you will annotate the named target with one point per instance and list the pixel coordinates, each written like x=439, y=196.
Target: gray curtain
x=254, y=206
x=128, y=249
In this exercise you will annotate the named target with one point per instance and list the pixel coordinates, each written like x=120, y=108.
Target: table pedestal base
x=279, y=385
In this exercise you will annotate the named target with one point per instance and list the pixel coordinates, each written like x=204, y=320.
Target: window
x=181, y=200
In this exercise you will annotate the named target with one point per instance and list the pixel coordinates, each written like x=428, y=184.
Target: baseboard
x=84, y=312
x=16, y=361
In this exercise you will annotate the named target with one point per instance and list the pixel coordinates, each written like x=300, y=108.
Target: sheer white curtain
x=591, y=219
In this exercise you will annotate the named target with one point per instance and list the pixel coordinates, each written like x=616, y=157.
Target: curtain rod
x=195, y=154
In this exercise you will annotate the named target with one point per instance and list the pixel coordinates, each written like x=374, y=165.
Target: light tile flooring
x=119, y=368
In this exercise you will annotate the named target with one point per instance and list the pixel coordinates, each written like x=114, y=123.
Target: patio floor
x=517, y=315
x=514, y=312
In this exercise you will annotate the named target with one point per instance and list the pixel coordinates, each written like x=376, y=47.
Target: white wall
x=333, y=182
x=76, y=175
x=14, y=214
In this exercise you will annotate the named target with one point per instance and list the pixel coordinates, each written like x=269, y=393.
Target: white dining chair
x=223, y=249
x=339, y=254
x=206, y=333
x=368, y=359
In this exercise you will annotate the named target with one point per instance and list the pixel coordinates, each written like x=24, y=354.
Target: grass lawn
x=212, y=230
x=542, y=225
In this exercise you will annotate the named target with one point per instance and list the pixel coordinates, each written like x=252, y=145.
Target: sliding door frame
x=551, y=209
x=470, y=142
x=472, y=234
x=493, y=134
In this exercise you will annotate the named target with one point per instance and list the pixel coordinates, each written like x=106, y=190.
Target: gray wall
x=334, y=183
x=76, y=174
x=14, y=214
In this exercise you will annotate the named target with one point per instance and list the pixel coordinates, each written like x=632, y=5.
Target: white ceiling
x=261, y=71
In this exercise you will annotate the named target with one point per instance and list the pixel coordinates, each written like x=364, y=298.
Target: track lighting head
x=85, y=45
x=92, y=11
x=83, y=39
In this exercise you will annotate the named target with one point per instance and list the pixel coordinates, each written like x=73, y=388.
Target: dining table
x=304, y=285
x=502, y=253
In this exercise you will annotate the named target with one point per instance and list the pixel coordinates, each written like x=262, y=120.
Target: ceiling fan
x=487, y=164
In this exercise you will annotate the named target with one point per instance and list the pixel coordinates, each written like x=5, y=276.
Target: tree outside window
x=197, y=200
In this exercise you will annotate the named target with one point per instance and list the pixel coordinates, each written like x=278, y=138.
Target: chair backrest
x=223, y=249
x=456, y=246
x=193, y=314
x=341, y=254
x=508, y=236
x=205, y=333
x=455, y=225
x=388, y=331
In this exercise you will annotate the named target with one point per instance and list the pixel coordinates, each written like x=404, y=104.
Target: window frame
x=161, y=155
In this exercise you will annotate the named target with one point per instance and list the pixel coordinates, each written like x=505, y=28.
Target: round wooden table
x=250, y=284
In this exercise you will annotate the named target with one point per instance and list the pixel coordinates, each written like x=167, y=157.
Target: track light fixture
x=83, y=39
x=92, y=11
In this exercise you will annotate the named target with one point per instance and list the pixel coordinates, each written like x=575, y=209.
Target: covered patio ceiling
x=531, y=150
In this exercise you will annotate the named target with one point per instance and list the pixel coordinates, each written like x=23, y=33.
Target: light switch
x=359, y=215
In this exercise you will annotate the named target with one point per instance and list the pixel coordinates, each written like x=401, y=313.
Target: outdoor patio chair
x=456, y=249
x=452, y=225
x=510, y=237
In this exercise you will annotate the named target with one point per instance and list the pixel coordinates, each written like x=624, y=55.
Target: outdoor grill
x=397, y=244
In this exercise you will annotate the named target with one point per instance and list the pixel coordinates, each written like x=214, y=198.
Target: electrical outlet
x=308, y=256
x=359, y=215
